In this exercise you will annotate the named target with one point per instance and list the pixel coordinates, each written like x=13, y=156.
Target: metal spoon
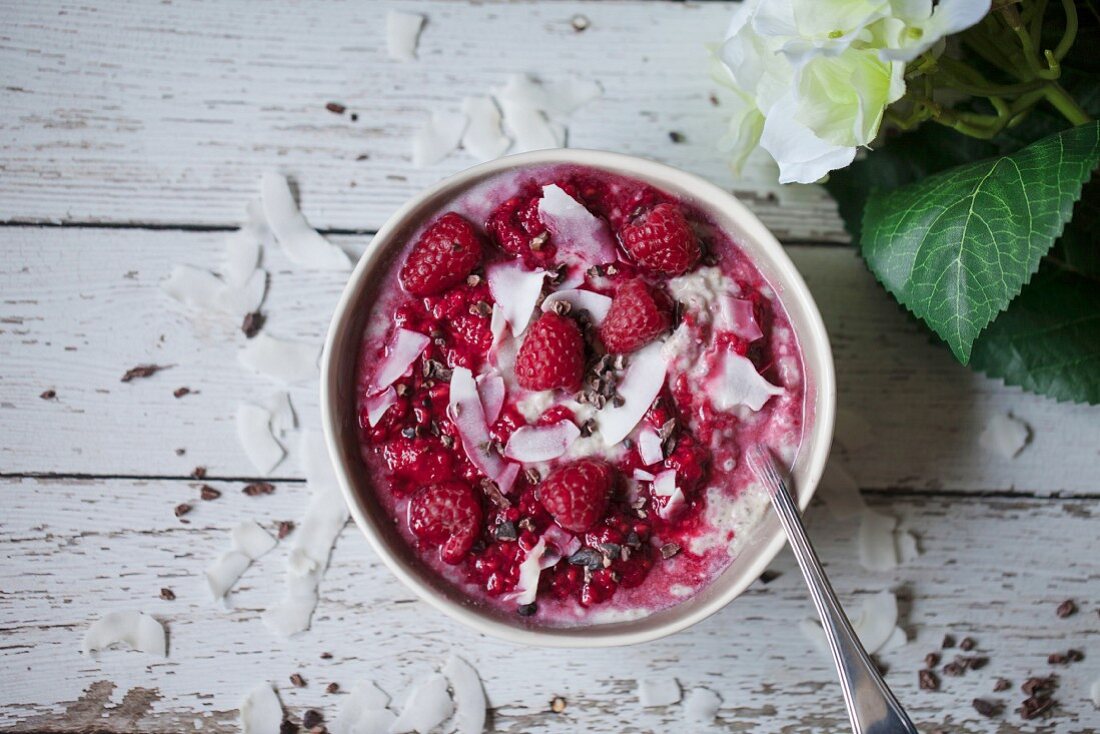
x=872, y=707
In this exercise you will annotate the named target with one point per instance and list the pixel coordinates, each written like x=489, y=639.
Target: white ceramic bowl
x=341, y=422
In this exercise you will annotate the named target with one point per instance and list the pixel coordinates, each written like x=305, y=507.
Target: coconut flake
x=737, y=315
x=194, y=287
x=877, y=619
x=541, y=443
x=483, y=138
x=897, y=639
x=840, y=492
x=403, y=34
x=1006, y=435
x=738, y=383
x=134, y=629
x=639, y=387
x=649, y=446
x=596, y=304
x=301, y=243
x=251, y=539
x=664, y=483
x=811, y=629
x=529, y=126
x=516, y=290
x=1094, y=692
x=908, y=546
x=643, y=476
x=261, y=712
x=701, y=706
x=428, y=705
x=877, y=547
x=577, y=232
x=439, y=137
x=469, y=695
x=281, y=359
x=558, y=99
x=377, y=405
x=223, y=573
x=365, y=711
x=466, y=412
x=566, y=544
x=254, y=434
x=283, y=419
x=527, y=585
x=242, y=256
x=244, y=298
x=662, y=691
x=405, y=348
x=490, y=388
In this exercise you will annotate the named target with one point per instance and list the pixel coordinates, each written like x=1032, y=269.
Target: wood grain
x=81, y=306
x=994, y=569
x=167, y=113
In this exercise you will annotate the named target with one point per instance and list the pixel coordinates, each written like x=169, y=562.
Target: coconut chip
x=516, y=290
x=243, y=298
x=242, y=252
x=364, y=712
x=194, y=287
x=529, y=126
x=877, y=548
x=301, y=243
x=405, y=348
x=403, y=34
x=738, y=383
x=1094, y=693
x=908, y=546
x=377, y=405
x=249, y=542
x=530, y=444
x=595, y=304
x=134, y=629
x=283, y=419
x=664, y=485
x=428, y=705
x=701, y=706
x=1006, y=435
x=281, y=359
x=254, y=434
x=638, y=388
x=737, y=315
x=483, y=138
x=557, y=99
x=468, y=415
x=840, y=492
x=469, y=695
x=876, y=625
x=439, y=137
x=642, y=475
x=566, y=544
x=649, y=446
x=261, y=712
x=579, y=235
x=490, y=388
x=663, y=691
x=527, y=585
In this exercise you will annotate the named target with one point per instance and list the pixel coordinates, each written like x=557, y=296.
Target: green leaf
x=956, y=247
x=1048, y=341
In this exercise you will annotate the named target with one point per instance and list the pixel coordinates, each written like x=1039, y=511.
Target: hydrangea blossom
x=813, y=78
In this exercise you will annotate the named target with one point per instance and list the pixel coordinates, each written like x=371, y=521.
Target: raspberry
x=638, y=315
x=552, y=354
x=662, y=241
x=420, y=460
x=443, y=256
x=576, y=494
x=516, y=228
x=446, y=515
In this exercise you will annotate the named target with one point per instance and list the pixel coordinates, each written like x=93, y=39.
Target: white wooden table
x=131, y=136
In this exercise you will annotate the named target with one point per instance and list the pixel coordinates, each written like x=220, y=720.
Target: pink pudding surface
x=555, y=387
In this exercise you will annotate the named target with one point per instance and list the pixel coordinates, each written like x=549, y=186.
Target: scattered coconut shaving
x=134, y=629
x=530, y=128
x=515, y=290
x=649, y=446
x=195, y=288
x=377, y=405
x=1094, y=693
x=469, y=695
x=566, y=544
x=405, y=348
x=639, y=387
x=701, y=706
x=243, y=247
x=428, y=705
x=663, y=691
x=468, y=415
x=314, y=537
x=403, y=34
x=249, y=542
x=245, y=298
x=483, y=138
x=261, y=712
x=738, y=383
x=283, y=418
x=254, y=433
x=908, y=546
x=491, y=390
x=438, y=138
x=1005, y=434
x=366, y=711
x=530, y=444
x=643, y=476
x=878, y=549
x=559, y=98
x=301, y=243
x=281, y=359
x=737, y=315
x=579, y=235
x=595, y=304
x=527, y=585
x=840, y=492
x=876, y=625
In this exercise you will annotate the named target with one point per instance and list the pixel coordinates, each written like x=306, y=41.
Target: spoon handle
x=872, y=707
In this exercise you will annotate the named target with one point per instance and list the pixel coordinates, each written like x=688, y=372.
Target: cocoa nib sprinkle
x=967, y=644
x=252, y=324
x=48, y=395
x=326, y=656
x=336, y=108
x=257, y=488
x=312, y=718
x=298, y=680
x=1069, y=656
x=286, y=527
x=527, y=610
x=676, y=137
x=932, y=659
x=208, y=493
x=668, y=550
x=179, y=392
x=505, y=531
x=199, y=472
x=182, y=509
x=1035, y=706
x=928, y=681
x=142, y=370
x=1040, y=686
x=1066, y=608
x=167, y=594
x=986, y=708
x=948, y=641
x=332, y=687
x=1002, y=684
x=768, y=576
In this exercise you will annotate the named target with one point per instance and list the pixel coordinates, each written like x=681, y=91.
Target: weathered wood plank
x=994, y=569
x=81, y=306
x=168, y=113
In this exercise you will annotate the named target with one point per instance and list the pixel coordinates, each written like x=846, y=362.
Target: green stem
x=1056, y=94
x=1070, y=35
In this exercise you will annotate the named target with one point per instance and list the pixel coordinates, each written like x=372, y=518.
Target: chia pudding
x=556, y=384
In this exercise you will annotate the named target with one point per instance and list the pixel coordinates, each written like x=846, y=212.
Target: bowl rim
x=710, y=198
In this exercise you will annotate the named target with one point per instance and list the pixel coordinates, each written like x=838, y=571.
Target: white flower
x=813, y=78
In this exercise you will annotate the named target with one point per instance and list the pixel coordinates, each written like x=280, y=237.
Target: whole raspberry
x=445, y=254
x=447, y=515
x=639, y=313
x=576, y=494
x=662, y=241
x=552, y=354
x=516, y=228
